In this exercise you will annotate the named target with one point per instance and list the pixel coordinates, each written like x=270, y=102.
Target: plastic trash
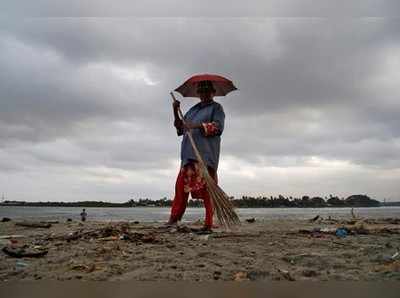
x=123, y=237
x=328, y=230
x=204, y=237
x=341, y=232
x=21, y=265
x=396, y=255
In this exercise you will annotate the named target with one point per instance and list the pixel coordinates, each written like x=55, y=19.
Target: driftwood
x=24, y=253
x=76, y=235
x=33, y=224
x=50, y=221
x=314, y=219
x=11, y=236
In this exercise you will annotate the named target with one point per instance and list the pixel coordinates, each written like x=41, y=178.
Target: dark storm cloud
x=321, y=60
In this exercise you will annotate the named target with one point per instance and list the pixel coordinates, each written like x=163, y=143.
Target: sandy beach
x=259, y=251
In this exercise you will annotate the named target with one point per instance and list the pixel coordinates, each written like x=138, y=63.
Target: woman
x=206, y=121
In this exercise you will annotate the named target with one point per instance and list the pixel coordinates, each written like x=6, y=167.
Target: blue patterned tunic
x=208, y=138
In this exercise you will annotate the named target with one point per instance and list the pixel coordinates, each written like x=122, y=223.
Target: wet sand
x=261, y=251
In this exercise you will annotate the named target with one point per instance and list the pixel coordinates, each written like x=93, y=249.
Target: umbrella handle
x=179, y=109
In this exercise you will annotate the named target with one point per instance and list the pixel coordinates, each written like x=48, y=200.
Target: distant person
x=83, y=215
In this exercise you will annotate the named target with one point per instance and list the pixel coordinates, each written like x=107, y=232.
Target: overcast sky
x=85, y=112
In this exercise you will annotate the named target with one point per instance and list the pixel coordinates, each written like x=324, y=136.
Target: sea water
x=158, y=214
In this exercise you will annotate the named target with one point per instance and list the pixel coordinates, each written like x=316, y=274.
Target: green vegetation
x=306, y=202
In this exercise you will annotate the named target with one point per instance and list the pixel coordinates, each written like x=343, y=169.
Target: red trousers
x=182, y=194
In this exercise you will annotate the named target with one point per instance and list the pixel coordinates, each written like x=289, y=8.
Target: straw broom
x=220, y=201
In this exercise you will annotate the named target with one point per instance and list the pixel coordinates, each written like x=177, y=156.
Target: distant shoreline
x=352, y=201
x=260, y=207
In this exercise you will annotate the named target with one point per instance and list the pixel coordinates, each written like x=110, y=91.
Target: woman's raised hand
x=176, y=104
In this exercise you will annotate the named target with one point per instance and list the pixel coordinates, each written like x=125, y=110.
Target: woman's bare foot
x=205, y=230
x=171, y=223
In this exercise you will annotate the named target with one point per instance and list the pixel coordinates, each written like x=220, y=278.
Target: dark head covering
x=204, y=86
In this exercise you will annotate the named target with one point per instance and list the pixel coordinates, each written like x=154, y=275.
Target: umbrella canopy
x=222, y=85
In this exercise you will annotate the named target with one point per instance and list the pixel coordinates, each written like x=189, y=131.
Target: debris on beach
x=309, y=273
x=318, y=232
x=50, y=221
x=351, y=221
x=303, y=257
x=191, y=230
x=266, y=251
x=5, y=219
x=286, y=274
x=341, y=232
x=32, y=224
x=11, y=236
x=110, y=238
x=217, y=275
x=314, y=218
x=389, y=267
x=20, y=265
x=204, y=237
x=253, y=275
x=396, y=255
x=393, y=221
x=240, y=276
x=110, y=233
x=256, y=275
x=24, y=252
x=251, y=220
x=354, y=227
x=85, y=268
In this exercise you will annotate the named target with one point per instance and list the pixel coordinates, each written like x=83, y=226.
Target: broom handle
x=189, y=133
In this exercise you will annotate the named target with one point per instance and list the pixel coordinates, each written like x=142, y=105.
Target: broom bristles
x=222, y=205
x=220, y=200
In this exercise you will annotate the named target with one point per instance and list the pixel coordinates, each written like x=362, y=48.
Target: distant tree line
x=244, y=202
x=306, y=202
x=390, y=204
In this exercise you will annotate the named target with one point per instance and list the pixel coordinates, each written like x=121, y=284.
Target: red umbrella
x=222, y=85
